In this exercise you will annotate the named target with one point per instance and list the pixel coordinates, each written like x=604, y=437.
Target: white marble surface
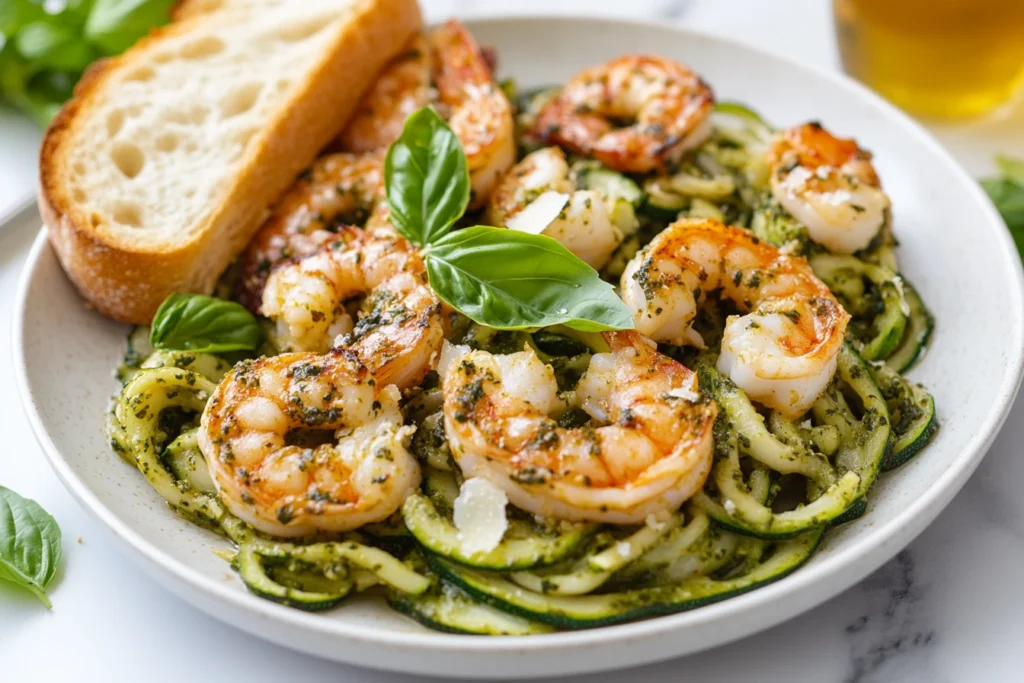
x=949, y=608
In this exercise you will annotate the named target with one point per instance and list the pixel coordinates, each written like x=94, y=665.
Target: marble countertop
x=948, y=608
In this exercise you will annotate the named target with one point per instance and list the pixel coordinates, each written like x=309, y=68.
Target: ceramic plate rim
x=882, y=543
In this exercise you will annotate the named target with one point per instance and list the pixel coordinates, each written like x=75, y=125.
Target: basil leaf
x=1007, y=193
x=52, y=46
x=512, y=280
x=195, y=322
x=29, y=544
x=1013, y=169
x=426, y=178
x=115, y=25
x=16, y=13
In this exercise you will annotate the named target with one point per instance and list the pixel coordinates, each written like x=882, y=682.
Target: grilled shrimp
x=340, y=189
x=649, y=450
x=585, y=225
x=466, y=96
x=783, y=351
x=251, y=435
x=398, y=332
x=400, y=89
x=829, y=185
x=348, y=188
x=475, y=107
x=669, y=104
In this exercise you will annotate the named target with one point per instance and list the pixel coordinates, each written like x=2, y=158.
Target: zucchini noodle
x=775, y=488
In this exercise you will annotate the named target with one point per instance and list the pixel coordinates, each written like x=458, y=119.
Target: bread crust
x=128, y=282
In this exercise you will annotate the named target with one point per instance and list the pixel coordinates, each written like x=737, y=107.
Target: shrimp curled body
x=783, y=351
x=340, y=189
x=288, y=489
x=402, y=87
x=652, y=453
x=670, y=107
x=829, y=185
x=398, y=331
x=464, y=93
x=348, y=188
x=586, y=225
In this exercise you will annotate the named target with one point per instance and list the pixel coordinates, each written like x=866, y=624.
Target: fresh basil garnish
x=114, y=25
x=1007, y=193
x=196, y=322
x=46, y=46
x=514, y=280
x=501, y=278
x=29, y=544
x=427, y=179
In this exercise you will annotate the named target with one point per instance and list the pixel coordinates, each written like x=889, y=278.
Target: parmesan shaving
x=539, y=214
x=479, y=516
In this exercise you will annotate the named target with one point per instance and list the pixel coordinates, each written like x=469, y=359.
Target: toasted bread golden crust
x=127, y=280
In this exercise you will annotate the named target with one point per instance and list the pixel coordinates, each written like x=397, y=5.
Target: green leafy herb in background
x=45, y=50
x=1007, y=193
x=196, y=322
x=29, y=544
x=498, y=277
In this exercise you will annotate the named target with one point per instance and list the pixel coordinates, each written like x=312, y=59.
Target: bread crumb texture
x=150, y=162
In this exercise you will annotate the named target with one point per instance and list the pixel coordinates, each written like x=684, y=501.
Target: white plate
x=955, y=250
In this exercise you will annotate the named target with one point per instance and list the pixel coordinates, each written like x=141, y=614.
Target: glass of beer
x=947, y=58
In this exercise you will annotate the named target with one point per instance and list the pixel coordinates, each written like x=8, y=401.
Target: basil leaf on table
x=196, y=322
x=29, y=544
x=512, y=280
x=1013, y=169
x=1007, y=194
x=427, y=179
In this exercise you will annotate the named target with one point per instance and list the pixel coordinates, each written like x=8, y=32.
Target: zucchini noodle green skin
x=602, y=609
x=528, y=548
x=913, y=415
x=137, y=429
x=837, y=485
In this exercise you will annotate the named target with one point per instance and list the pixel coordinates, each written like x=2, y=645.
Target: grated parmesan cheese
x=479, y=515
x=904, y=306
x=539, y=214
x=684, y=393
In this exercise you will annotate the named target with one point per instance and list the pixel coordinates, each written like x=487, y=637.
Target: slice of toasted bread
x=161, y=168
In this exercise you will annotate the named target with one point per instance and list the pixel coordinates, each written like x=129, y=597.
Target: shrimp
x=340, y=189
x=585, y=225
x=400, y=329
x=670, y=104
x=649, y=449
x=829, y=185
x=251, y=436
x=400, y=89
x=476, y=109
x=783, y=351
x=466, y=96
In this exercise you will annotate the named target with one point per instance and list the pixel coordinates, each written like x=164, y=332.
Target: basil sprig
x=29, y=544
x=45, y=47
x=426, y=178
x=1007, y=193
x=196, y=322
x=501, y=278
x=513, y=280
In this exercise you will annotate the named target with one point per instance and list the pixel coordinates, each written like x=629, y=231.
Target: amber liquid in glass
x=950, y=58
